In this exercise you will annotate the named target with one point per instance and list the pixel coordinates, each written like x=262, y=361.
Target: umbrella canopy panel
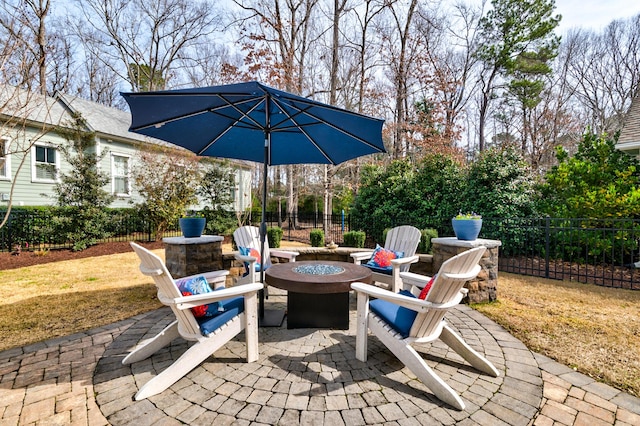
x=233, y=121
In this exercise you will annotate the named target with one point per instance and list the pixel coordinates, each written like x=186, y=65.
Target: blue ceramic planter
x=192, y=227
x=466, y=229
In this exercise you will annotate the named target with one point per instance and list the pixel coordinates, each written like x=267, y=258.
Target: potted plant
x=467, y=226
x=192, y=224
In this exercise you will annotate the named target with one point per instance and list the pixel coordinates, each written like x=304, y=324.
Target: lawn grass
x=596, y=330
x=593, y=329
x=56, y=299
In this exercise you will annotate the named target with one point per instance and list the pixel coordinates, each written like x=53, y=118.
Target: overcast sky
x=594, y=14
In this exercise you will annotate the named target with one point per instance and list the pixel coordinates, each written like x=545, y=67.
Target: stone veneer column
x=484, y=288
x=189, y=256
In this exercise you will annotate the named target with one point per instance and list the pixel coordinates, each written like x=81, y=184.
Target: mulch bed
x=603, y=275
x=26, y=258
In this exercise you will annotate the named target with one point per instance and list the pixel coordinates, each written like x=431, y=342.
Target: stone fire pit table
x=317, y=291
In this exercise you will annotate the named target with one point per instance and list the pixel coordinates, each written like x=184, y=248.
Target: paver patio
x=303, y=376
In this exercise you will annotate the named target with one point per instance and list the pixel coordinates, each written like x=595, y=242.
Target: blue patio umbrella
x=251, y=121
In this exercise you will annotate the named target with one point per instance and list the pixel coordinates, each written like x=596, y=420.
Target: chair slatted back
x=446, y=289
x=152, y=266
x=249, y=236
x=405, y=239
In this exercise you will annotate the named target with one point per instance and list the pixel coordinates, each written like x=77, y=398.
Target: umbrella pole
x=272, y=317
x=263, y=227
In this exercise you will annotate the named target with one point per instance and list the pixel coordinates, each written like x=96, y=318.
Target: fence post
x=547, y=245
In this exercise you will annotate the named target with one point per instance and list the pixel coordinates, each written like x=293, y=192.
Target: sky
x=594, y=14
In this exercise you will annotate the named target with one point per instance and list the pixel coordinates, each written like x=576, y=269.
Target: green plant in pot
x=192, y=224
x=467, y=226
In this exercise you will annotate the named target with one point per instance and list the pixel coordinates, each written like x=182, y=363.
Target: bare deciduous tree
x=604, y=68
x=144, y=41
x=24, y=22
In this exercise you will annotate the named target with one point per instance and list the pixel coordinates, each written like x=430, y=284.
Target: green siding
x=28, y=192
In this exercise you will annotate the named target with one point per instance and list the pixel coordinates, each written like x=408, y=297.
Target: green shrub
x=424, y=246
x=274, y=236
x=354, y=239
x=220, y=222
x=598, y=181
x=317, y=238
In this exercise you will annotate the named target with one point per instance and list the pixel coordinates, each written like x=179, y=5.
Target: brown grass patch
x=56, y=299
x=595, y=330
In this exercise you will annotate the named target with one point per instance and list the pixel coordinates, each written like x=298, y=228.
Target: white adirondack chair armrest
x=360, y=256
x=291, y=255
x=413, y=279
x=412, y=303
x=187, y=302
x=471, y=275
x=245, y=258
x=404, y=260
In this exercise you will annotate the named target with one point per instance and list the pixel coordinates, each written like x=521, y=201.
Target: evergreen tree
x=517, y=42
x=81, y=190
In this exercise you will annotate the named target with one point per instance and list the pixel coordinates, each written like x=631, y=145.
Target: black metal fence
x=41, y=229
x=599, y=251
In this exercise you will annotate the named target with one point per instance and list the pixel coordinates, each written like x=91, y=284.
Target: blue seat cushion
x=386, y=271
x=229, y=309
x=398, y=317
x=246, y=269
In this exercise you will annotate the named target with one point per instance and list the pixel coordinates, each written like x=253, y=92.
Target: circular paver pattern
x=309, y=376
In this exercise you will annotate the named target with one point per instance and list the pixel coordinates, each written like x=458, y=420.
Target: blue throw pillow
x=250, y=251
x=381, y=258
x=398, y=317
x=198, y=285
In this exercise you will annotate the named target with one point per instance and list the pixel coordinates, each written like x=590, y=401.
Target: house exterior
x=629, y=140
x=29, y=146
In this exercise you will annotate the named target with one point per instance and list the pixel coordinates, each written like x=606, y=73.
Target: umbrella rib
x=212, y=110
x=325, y=122
x=235, y=120
x=242, y=113
x=301, y=127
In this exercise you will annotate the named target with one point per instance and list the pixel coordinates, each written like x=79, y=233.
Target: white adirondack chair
x=401, y=239
x=221, y=328
x=392, y=320
x=249, y=237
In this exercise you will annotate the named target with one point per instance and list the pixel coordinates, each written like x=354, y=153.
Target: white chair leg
x=251, y=326
x=414, y=362
x=154, y=344
x=455, y=342
x=362, y=326
x=189, y=360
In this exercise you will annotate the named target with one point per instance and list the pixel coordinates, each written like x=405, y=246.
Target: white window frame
x=114, y=176
x=56, y=164
x=6, y=173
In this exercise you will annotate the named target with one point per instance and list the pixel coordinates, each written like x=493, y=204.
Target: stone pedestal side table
x=189, y=256
x=484, y=288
